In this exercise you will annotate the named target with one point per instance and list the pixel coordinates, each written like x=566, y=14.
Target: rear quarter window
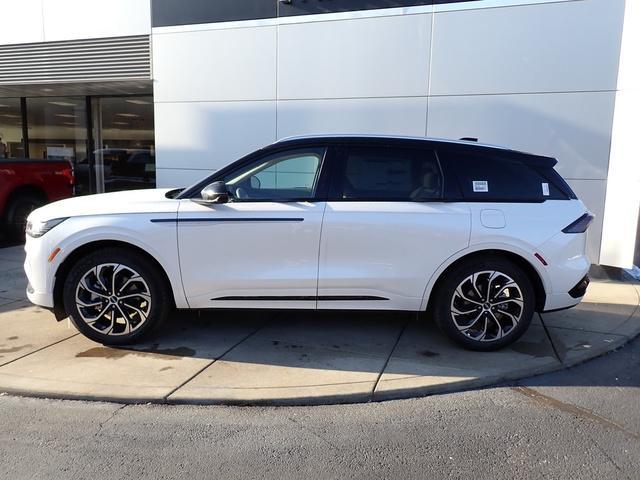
x=494, y=179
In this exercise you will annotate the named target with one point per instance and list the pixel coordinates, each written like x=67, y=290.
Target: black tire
x=497, y=314
x=18, y=209
x=124, y=264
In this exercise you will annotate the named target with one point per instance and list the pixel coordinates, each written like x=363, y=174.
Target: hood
x=131, y=201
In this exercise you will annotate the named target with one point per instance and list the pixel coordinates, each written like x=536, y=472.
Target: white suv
x=481, y=237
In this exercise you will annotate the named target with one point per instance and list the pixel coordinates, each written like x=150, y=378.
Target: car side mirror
x=215, y=192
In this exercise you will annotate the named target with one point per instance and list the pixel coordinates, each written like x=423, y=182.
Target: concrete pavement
x=582, y=422
x=289, y=357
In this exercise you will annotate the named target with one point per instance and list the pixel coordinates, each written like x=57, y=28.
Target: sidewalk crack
x=243, y=339
x=556, y=352
x=575, y=410
x=386, y=363
x=113, y=414
x=38, y=350
x=606, y=455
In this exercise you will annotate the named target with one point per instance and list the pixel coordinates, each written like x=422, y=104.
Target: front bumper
x=43, y=299
x=37, y=269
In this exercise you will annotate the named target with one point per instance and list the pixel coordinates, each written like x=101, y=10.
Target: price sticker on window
x=545, y=189
x=480, y=186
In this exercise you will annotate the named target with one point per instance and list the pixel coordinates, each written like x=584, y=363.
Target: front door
x=261, y=248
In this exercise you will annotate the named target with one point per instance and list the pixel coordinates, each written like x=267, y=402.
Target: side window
x=387, y=173
x=291, y=175
x=491, y=178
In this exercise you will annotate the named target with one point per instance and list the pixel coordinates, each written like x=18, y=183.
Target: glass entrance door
x=124, y=139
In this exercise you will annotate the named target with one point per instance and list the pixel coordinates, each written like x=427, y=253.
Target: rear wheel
x=485, y=304
x=115, y=297
x=18, y=210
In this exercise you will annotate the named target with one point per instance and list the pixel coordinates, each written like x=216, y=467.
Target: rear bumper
x=567, y=300
x=579, y=290
x=568, y=266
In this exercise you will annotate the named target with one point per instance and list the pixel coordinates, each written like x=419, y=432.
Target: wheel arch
x=65, y=267
x=28, y=189
x=527, y=267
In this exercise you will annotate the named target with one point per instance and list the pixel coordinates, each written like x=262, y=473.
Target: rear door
x=386, y=229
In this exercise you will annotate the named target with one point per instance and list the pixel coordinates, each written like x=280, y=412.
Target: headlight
x=38, y=229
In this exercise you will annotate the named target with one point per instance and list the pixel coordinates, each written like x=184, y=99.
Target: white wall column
x=623, y=186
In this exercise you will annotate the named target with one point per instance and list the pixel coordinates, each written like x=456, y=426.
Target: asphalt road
x=581, y=423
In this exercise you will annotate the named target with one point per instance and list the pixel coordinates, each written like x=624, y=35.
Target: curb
x=402, y=394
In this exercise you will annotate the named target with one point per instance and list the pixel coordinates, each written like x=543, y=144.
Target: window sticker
x=545, y=189
x=480, y=186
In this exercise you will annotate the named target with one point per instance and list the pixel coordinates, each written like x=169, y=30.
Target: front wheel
x=485, y=304
x=115, y=297
x=18, y=210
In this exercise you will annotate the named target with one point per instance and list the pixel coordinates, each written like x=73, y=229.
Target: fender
x=517, y=250
x=125, y=235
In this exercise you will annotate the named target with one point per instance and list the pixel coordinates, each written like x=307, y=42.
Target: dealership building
x=138, y=93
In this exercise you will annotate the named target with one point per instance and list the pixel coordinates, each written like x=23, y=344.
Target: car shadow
x=402, y=344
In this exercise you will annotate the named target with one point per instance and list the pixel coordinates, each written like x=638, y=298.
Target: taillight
x=69, y=174
x=580, y=225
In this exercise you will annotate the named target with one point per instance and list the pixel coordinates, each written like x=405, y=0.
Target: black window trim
x=451, y=188
x=192, y=12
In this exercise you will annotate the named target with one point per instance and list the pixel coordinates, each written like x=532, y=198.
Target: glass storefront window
x=123, y=153
x=57, y=129
x=124, y=131
x=10, y=129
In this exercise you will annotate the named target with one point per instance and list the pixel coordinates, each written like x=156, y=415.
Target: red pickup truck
x=28, y=184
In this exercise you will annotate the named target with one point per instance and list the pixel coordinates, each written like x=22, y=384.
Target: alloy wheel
x=113, y=299
x=486, y=306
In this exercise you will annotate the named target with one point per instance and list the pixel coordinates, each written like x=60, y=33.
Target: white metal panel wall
x=573, y=127
x=21, y=22
x=384, y=116
x=555, y=47
x=215, y=98
x=76, y=19
x=28, y=21
x=194, y=139
x=539, y=78
x=367, y=75
x=370, y=57
x=533, y=75
x=623, y=182
x=215, y=65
